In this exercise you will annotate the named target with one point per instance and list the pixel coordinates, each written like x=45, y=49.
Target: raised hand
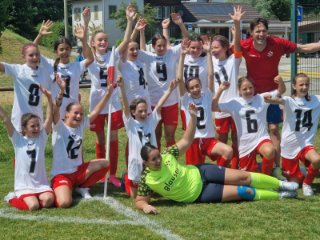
x=141, y=24
x=185, y=45
x=224, y=85
x=165, y=23
x=120, y=82
x=173, y=85
x=192, y=109
x=176, y=18
x=45, y=91
x=86, y=14
x=60, y=82
x=79, y=31
x=237, y=14
x=45, y=26
x=207, y=45
x=131, y=13
x=278, y=79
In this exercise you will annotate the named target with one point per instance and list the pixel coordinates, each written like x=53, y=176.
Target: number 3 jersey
x=30, y=173
x=250, y=117
x=27, y=95
x=139, y=134
x=300, y=124
x=205, y=127
x=161, y=70
x=67, y=147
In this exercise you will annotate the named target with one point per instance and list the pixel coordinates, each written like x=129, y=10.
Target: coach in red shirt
x=262, y=54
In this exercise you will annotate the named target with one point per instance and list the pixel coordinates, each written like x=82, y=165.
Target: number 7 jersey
x=300, y=124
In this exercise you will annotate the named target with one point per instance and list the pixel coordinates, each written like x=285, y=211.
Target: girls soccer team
x=207, y=74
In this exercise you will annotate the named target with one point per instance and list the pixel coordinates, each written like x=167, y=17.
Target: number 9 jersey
x=250, y=117
x=301, y=117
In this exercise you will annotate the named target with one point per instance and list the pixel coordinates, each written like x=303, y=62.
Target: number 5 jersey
x=301, y=117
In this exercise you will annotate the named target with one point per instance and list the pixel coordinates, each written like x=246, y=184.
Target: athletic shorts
x=274, y=114
x=169, y=115
x=223, y=125
x=213, y=182
x=199, y=149
x=101, y=120
x=291, y=167
x=71, y=179
x=249, y=162
x=23, y=196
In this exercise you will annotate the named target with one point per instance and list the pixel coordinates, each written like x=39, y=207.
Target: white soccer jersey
x=139, y=134
x=196, y=67
x=205, y=127
x=98, y=72
x=27, y=95
x=134, y=80
x=30, y=172
x=67, y=147
x=226, y=70
x=300, y=124
x=160, y=71
x=250, y=119
x=70, y=73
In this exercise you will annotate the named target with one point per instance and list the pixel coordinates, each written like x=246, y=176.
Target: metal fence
x=309, y=32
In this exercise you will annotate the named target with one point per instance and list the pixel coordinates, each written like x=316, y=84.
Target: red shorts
x=102, y=119
x=71, y=179
x=23, y=196
x=169, y=115
x=200, y=148
x=291, y=168
x=223, y=125
x=249, y=162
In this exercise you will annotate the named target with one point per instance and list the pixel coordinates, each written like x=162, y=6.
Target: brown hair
x=135, y=103
x=188, y=80
x=224, y=43
x=255, y=22
x=243, y=79
x=26, y=46
x=294, y=81
x=56, y=44
x=25, y=118
x=156, y=37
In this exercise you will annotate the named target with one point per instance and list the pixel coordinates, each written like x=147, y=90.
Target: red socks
x=312, y=173
x=223, y=162
x=267, y=166
x=94, y=177
x=113, y=155
x=235, y=158
x=18, y=203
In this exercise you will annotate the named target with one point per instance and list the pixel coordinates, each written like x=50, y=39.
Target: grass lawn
x=116, y=218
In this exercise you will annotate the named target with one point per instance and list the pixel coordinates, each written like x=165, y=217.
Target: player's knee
x=274, y=130
x=34, y=205
x=269, y=152
x=246, y=192
x=47, y=201
x=104, y=164
x=64, y=203
x=228, y=152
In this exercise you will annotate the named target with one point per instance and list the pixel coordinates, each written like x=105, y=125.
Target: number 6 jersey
x=300, y=124
x=250, y=117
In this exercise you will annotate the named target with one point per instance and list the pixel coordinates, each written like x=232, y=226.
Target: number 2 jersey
x=30, y=172
x=250, y=117
x=27, y=95
x=300, y=124
x=205, y=127
x=161, y=70
x=67, y=147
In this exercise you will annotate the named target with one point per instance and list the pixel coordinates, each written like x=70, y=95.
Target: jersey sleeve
x=15, y=137
x=144, y=189
x=176, y=51
x=82, y=65
x=11, y=69
x=144, y=56
x=227, y=106
x=288, y=46
x=173, y=150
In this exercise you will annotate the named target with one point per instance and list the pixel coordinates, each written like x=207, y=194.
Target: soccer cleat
x=115, y=181
x=307, y=190
x=288, y=186
x=84, y=192
x=287, y=194
x=9, y=196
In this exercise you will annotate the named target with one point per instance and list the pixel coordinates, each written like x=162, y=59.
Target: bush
x=57, y=30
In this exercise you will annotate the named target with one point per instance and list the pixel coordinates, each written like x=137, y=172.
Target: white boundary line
x=135, y=218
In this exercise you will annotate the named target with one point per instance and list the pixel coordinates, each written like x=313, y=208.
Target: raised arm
x=180, y=79
x=215, y=100
x=123, y=96
x=177, y=19
x=281, y=86
x=59, y=99
x=131, y=15
x=207, y=46
x=236, y=17
x=165, y=30
x=43, y=31
x=80, y=33
x=98, y=108
x=6, y=121
x=163, y=99
x=184, y=143
x=49, y=115
x=309, y=47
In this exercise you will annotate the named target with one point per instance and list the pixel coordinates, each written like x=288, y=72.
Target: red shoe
x=115, y=181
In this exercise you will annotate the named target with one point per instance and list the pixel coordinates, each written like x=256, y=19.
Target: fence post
x=293, y=36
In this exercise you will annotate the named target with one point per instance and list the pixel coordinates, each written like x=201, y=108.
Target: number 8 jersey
x=250, y=117
x=300, y=124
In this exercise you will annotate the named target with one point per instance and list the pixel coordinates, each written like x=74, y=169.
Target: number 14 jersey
x=300, y=124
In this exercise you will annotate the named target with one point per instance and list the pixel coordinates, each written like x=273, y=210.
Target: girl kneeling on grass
x=203, y=183
x=140, y=128
x=301, y=117
x=68, y=169
x=31, y=186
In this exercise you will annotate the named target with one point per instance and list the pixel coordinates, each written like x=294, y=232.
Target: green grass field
x=116, y=218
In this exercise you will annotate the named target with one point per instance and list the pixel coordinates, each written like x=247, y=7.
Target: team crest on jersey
x=270, y=54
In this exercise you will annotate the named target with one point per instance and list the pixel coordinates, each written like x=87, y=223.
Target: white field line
x=13, y=214
x=138, y=218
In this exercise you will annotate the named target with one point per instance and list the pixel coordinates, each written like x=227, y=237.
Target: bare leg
x=169, y=133
x=46, y=199
x=32, y=203
x=63, y=196
x=275, y=138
